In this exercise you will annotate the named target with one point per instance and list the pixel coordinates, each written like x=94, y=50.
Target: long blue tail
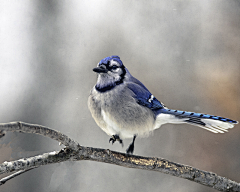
x=212, y=123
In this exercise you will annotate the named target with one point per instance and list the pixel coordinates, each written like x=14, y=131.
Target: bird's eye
x=114, y=67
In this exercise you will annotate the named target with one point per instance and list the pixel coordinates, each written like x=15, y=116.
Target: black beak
x=100, y=70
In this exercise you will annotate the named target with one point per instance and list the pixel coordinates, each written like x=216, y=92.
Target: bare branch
x=5, y=179
x=40, y=130
x=78, y=153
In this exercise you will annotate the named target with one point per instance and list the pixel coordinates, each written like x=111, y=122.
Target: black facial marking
x=109, y=87
x=122, y=76
x=114, y=67
x=104, y=89
x=111, y=67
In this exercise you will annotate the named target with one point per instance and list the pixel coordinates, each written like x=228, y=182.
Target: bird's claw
x=130, y=149
x=111, y=139
x=116, y=138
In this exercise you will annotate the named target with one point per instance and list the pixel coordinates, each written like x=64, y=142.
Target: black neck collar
x=110, y=87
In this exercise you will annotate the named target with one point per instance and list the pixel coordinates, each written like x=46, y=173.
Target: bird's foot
x=116, y=138
x=130, y=149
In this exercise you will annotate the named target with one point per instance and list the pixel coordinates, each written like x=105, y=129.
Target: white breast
x=112, y=127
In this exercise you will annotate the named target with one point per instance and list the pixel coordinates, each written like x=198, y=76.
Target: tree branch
x=40, y=130
x=5, y=179
x=75, y=152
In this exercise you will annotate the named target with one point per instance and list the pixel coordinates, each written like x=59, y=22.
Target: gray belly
x=118, y=113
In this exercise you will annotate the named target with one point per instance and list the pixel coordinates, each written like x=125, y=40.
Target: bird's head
x=111, y=72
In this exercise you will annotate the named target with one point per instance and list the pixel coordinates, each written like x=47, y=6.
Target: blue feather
x=113, y=57
x=143, y=96
x=192, y=116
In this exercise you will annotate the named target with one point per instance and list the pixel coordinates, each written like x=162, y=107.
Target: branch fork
x=74, y=152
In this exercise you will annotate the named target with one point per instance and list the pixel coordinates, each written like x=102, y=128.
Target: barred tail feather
x=211, y=123
x=214, y=126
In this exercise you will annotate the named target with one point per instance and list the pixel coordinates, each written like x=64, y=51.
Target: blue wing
x=143, y=96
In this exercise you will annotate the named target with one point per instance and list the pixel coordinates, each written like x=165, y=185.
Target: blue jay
x=124, y=108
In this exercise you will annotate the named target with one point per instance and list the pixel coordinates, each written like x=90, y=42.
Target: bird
x=124, y=108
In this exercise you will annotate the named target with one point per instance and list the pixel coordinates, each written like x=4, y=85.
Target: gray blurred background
x=186, y=52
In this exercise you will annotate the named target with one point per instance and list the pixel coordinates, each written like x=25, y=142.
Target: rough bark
x=75, y=152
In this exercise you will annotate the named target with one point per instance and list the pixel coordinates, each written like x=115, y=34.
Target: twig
x=5, y=179
x=112, y=157
x=40, y=130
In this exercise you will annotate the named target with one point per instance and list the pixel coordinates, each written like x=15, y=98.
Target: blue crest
x=113, y=57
